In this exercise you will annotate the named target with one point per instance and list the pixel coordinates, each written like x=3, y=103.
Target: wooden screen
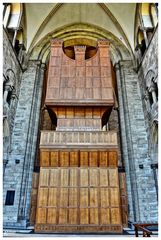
x=80, y=81
x=82, y=198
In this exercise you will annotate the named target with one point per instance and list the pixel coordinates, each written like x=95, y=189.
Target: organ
x=78, y=183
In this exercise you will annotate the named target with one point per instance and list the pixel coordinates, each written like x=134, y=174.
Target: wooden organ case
x=78, y=183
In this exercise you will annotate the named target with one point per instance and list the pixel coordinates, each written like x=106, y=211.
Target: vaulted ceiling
x=44, y=18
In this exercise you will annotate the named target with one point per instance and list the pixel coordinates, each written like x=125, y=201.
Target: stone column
x=19, y=169
x=124, y=141
x=153, y=91
x=134, y=138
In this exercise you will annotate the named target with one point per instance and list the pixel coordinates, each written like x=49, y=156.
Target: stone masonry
x=18, y=174
x=142, y=197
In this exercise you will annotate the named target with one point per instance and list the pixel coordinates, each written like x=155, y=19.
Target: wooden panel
x=114, y=196
x=113, y=177
x=93, y=215
x=51, y=217
x=44, y=177
x=63, y=200
x=41, y=215
x=73, y=216
x=84, y=197
x=33, y=214
x=54, y=177
x=103, y=177
x=69, y=112
x=84, y=177
x=73, y=197
x=35, y=180
x=64, y=159
x=105, y=216
x=74, y=158
x=104, y=197
x=115, y=216
x=112, y=159
x=64, y=177
x=81, y=196
x=54, y=157
x=44, y=159
x=84, y=216
x=63, y=216
x=123, y=197
x=103, y=162
x=73, y=177
x=43, y=196
x=93, y=159
x=93, y=197
x=93, y=173
x=52, y=200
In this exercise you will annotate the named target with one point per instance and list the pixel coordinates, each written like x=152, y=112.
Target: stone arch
x=149, y=76
x=153, y=141
x=10, y=75
x=83, y=30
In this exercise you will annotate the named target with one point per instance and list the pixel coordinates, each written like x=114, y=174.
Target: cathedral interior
x=80, y=116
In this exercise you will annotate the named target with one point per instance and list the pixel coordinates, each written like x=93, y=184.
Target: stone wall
x=142, y=197
x=12, y=73
x=147, y=70
x=19, y=170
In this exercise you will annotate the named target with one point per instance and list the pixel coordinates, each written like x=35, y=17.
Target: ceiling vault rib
x=43, y=24
x=108, y=12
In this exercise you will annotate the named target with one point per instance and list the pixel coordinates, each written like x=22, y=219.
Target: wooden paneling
x=64, y=159
x=123, y=197
x=84, y=215
x=92, y=139
x=104, y=177
x=105, y=216
x=112, y=157
x=54, y=158
x=115, y=216
x=51, y=217
x=54, y=177
x=74, y=159
x=73, y=216
x=104, y=197
x=64, y=177
x=80, y=196
x=93, y=159
x=84, y=178
x=44, y=177
x=113, y=178
x=103, y=159
x=41, y=215
x=42, y=197
x=63, y=70
x=52, y=198
x=77, y=158
x=73, y=197
x=83, y=158
x=34, y=192
x=44, y=157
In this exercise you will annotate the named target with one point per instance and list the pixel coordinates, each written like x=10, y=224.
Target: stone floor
x=8, y=233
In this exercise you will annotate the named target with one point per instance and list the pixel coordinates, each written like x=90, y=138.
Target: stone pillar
x=124, y=142
x=142, y=197
x=154, y=96
x=19, y=169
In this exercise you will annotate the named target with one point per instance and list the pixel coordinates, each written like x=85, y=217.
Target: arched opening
x=141, y=42
x=91, y=47
x=154, y=14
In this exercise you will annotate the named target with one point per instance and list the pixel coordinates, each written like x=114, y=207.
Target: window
x=153, y=14
x=141, y=42
x=6, y=14
x=10, y=198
